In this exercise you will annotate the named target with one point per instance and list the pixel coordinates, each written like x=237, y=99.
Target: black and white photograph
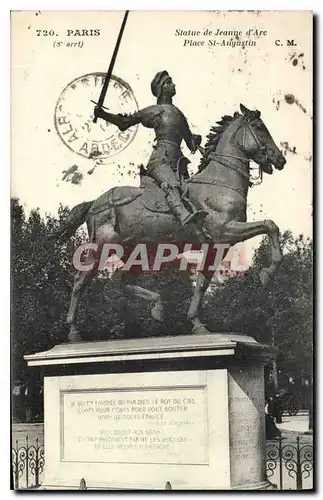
x=161, y=250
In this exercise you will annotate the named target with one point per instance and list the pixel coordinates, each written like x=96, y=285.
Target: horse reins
x=236, y=168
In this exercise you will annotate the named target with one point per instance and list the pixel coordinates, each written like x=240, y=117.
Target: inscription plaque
x=135, y=426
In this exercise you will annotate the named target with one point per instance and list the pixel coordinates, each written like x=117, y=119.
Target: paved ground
x=291, y=427
x=298, y=423
x=33, y=431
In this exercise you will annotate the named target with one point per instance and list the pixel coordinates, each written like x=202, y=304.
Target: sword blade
x=112, y=62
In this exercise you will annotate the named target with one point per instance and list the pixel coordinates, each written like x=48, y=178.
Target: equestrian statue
x=210, y=206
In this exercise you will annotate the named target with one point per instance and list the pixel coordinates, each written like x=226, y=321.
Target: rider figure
x=171, y=127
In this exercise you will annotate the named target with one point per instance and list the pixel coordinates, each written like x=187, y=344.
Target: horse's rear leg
x=81, y=281
x=204, y=278
x=236, y=232
x=193, y=314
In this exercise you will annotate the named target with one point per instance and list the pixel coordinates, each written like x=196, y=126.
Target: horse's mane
x=214, y=136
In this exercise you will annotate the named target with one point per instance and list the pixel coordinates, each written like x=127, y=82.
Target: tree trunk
x=275, y=374
x=274, y=362
x=310, y=409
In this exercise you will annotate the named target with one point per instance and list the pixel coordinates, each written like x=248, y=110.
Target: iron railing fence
x=27, y=464
x=289, y=465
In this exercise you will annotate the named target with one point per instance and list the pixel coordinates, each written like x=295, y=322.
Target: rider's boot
x=180, y=212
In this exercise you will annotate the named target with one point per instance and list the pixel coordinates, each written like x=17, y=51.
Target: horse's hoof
x=264, y=277
x=200, y=330
x=158, y=313
x=74, y=336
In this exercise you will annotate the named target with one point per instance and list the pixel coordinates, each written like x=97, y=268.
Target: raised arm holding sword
x=170, y=126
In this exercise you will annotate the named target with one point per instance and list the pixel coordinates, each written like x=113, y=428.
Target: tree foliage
x=41, y=285
x=281, y=314
x=42, y=279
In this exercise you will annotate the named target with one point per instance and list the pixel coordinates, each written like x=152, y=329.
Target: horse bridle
x=214, y=155
x=262, y=148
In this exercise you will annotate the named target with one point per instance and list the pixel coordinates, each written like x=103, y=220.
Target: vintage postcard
x=161, y=255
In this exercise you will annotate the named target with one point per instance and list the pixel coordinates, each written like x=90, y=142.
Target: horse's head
x=256, y=142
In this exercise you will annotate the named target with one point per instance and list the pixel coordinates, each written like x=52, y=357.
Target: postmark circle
x=74, y=115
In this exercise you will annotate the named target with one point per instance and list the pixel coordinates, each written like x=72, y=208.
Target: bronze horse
x=220, y=187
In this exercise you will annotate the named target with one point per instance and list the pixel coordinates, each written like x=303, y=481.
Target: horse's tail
x=74, y=220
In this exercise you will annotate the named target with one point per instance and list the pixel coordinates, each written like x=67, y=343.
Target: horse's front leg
x=81, y=281
x=235, y=232
x=201, y=286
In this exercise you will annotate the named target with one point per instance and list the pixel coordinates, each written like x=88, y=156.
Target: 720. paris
x=70, y=32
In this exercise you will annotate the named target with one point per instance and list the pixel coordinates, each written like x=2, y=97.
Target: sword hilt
x=95, y=119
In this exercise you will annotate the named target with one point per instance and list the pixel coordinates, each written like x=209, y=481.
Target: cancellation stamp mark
x=74, y=116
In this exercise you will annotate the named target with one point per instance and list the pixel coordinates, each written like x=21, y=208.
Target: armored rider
x=171, y=127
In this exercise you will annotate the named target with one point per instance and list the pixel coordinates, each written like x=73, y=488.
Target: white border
x=5, y=7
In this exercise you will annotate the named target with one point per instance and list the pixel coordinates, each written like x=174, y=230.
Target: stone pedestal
x=184, y=412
